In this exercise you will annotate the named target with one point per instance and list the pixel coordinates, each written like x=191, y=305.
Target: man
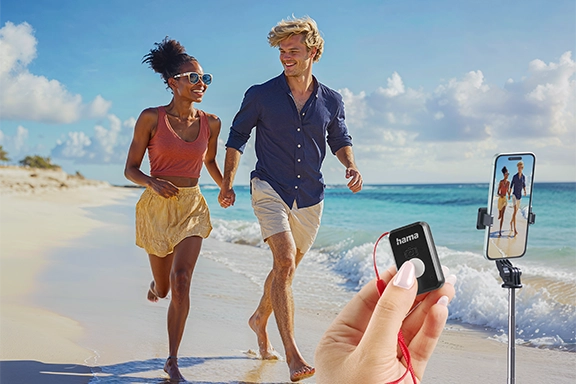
x=518, y=184
x=295, y=116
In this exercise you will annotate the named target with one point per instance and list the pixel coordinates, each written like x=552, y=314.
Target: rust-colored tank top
x=171, y=156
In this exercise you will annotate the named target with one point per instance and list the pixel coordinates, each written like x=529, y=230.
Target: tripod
x=511, y=279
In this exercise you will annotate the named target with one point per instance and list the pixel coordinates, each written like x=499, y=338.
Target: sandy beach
x=73, y=305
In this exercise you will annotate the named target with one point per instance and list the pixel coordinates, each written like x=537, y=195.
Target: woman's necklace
x=187, y=119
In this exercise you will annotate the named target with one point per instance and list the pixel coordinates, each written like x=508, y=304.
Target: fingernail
x=451, y=279
x=443, y=301
x=406, y=276
x=445, y=270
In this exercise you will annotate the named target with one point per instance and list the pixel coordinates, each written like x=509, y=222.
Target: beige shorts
x=516, y=202
x=163, y=223
x=275, y=216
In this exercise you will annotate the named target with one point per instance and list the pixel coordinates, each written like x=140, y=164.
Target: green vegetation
x=38, y=162
x=3, y=155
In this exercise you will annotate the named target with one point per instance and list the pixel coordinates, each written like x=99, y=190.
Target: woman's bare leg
x=160, y=285
x=185, y=257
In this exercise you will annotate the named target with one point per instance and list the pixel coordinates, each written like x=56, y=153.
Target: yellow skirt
x=163, y=223
x=502, y=202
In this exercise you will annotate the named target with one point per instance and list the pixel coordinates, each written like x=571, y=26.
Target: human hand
x=361, y=345
x=226, y=197
x=355, y=184
x=163, y=188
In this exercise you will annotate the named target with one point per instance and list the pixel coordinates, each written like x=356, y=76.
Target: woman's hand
x=162, y=187
x=361, y=345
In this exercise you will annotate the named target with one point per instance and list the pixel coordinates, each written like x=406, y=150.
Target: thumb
x=381, y=335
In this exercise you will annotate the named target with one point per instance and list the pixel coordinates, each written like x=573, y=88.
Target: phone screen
x=509, y=203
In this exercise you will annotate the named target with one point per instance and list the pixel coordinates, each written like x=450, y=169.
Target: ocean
x=351, y=223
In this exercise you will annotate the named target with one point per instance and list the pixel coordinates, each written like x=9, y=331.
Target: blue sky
x=433, y=90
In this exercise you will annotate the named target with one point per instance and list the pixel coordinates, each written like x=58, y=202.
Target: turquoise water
x=351, y=223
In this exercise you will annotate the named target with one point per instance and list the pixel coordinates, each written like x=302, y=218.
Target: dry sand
x=92, y=319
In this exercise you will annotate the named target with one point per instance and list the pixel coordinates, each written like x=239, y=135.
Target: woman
x=172, y=216
x=503, y=187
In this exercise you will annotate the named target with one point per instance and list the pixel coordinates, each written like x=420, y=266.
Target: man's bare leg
x=513, y=221
x=259, y=320
x=280, y=293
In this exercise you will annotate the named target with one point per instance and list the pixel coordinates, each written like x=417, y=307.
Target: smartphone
x=510, y=205
x=414, y=243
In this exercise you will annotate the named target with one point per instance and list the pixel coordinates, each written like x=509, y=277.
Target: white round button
x=418, y=267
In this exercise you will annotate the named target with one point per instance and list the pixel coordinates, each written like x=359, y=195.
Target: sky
x=432, y=90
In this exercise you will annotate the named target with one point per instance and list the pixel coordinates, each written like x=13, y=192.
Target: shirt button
x=298, y=129
x=298, y=176
x=299, y=145
x=303, y=113
x=296, y=187
x=298, y=160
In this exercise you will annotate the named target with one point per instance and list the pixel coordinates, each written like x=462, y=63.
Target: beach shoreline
x=41, y=210
x=59, y=323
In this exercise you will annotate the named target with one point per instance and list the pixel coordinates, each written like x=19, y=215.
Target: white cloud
x=465, y=120
x=470, y=109
x=20, y=138
x=16, y=145
x=106, y=146
x=98, y=107
x=25, y=96
x=130, y=123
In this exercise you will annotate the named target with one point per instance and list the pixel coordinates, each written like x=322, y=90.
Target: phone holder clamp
x=531, y=217
x=484, y=219
x=510, y=274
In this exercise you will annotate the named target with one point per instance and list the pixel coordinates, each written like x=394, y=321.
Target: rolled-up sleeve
x=244, y=121
x=337, y=130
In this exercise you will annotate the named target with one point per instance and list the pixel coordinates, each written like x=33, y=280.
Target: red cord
x=381, y=285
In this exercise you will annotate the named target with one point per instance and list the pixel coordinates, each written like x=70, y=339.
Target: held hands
x=361, y=345
x=355, y=184
x=226, y=197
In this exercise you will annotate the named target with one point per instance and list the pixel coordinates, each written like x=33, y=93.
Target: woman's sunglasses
x=194, y=77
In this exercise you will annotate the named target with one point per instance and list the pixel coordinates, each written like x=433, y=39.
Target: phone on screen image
x=510, y=205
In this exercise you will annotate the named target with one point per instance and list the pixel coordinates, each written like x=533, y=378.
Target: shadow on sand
x=32, y=372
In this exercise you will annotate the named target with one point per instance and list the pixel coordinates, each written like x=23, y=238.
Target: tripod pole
x=511, y=335
x=511, y=277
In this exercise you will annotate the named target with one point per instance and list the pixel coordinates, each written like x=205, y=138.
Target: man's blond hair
x=305, y=26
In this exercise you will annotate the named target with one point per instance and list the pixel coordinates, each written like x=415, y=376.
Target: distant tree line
x=3, y=155
x=31, y=161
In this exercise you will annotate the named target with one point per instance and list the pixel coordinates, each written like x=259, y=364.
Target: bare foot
x=171, y=368
x=152, y=296
x=267, y=352
x=302, y=372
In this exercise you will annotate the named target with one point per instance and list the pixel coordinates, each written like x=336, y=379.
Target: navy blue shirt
x=291, y=146
x=518, y=183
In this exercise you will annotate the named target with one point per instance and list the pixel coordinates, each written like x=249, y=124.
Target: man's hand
x=355, y=184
